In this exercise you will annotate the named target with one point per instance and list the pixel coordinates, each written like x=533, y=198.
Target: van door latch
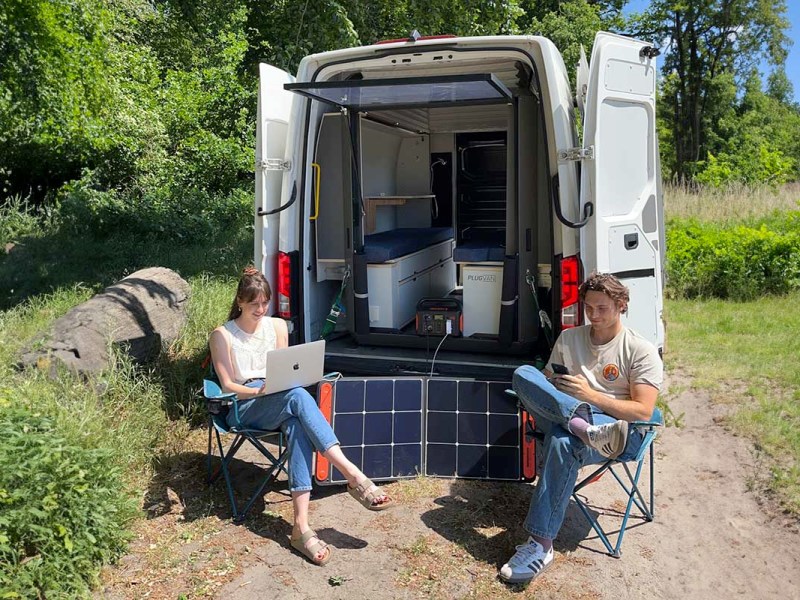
x=571, y=154
x=274, y=164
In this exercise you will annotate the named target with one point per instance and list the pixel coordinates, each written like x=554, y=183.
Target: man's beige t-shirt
x=611, y=368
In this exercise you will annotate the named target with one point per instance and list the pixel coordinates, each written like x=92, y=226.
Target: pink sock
x=578, y=427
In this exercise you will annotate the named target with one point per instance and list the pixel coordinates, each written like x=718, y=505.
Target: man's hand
x=576, y=386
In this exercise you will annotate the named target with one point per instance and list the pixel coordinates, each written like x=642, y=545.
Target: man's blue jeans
x=564, y=453
x=296, y=413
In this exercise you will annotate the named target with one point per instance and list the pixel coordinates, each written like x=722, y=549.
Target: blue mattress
x=472, y=252
x=388, y=245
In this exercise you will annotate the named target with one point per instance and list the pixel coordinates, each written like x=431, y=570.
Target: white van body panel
x=625, y=235
x=619, y=212
x=274, y=110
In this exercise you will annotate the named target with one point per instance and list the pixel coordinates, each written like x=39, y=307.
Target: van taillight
x=570, y=280
x=284, y=285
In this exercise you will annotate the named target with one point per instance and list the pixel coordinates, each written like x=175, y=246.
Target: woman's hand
x=576, y=386
x=262, y=390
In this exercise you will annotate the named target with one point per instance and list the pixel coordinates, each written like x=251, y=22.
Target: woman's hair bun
x=250, y=271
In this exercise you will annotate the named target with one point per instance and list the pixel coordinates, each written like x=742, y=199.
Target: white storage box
x=483, y=290
x=397, y=285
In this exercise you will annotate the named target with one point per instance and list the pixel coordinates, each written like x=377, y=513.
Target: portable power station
x=439, y=316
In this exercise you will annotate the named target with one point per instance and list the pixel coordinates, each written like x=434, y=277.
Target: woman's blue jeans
x=296, y=414
x=564, y=453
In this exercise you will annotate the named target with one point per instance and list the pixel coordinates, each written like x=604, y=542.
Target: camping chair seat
x=218, y=405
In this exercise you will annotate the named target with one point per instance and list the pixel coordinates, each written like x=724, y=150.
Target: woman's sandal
x=311, y=552
x=367, y=493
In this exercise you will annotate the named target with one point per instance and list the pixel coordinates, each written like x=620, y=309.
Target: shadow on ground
x=485, y=518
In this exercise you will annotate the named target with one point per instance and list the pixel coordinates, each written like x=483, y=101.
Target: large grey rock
x=140, y=312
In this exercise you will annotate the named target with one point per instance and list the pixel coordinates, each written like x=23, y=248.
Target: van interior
x=431, y=202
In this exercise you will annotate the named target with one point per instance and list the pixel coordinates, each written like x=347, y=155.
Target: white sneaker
x=529, y=561
x=609, y=439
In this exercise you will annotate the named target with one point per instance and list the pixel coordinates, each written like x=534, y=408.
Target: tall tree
x=706, y=39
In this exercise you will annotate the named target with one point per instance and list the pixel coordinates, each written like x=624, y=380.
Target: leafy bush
x=740, y=261
x=17, y=219
x=62, y=513
x=752, y=165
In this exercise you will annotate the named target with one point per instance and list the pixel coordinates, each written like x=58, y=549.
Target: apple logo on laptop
x=296, y=366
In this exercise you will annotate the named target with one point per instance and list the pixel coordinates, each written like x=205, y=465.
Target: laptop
x=295, y=366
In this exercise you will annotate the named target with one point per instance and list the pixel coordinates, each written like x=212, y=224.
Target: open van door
x=620, y=177
x=272, y=165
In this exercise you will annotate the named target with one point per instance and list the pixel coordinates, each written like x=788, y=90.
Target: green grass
x=746, y=353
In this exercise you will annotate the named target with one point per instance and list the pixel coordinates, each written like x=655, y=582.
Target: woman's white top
x=249, y=350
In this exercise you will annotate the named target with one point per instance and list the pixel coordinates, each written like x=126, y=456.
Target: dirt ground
x=715, y=534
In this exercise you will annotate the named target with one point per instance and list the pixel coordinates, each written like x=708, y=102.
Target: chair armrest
x=217, y=405
x=646, y=424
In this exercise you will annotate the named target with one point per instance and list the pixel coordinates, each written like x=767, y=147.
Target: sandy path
x=446, y=539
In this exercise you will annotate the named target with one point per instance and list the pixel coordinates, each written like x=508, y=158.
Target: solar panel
x=379, y=425
x=394, y=428
x=473, y=430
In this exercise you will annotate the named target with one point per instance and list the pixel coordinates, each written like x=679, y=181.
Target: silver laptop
x=295, y=366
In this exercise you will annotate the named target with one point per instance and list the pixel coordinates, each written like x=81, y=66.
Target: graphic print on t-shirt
x=610, y=372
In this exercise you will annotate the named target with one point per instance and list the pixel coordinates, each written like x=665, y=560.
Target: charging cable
x=448, y=330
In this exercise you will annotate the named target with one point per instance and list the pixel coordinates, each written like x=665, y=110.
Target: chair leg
x=634, y=496
x=273, y=472
x=278, y=464
x=224, y=468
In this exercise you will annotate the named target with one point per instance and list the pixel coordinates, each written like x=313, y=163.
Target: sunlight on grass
x=753, y=346
x=732, y=203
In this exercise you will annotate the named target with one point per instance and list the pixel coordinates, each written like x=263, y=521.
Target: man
x=614, y=376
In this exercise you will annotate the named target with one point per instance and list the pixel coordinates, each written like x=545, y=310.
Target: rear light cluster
x=284, y=285
x=571, y=313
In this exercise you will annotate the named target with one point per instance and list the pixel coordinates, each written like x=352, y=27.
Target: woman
x=238, y=351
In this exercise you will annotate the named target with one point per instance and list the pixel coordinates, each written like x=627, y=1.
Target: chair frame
x=631, y=486
x=216, y=403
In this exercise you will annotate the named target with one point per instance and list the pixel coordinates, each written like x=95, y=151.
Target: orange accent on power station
x=325, y=399
x=528, y=447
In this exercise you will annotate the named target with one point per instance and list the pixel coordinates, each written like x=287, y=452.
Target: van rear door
x=272, y=165
x=620, y=177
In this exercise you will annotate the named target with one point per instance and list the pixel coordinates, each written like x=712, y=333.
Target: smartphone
x=559, y=369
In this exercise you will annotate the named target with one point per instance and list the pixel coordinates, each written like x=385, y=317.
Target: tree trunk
x=139, y=313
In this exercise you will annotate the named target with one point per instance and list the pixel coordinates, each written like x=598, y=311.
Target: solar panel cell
x=503, y=462
x=379, y=394
x=377, y=428
x=504, y=430
x=349, y=428
x=441, y=460
x=377, y=461
x=472, y=428
x=442, y=427
x=472, y=461
x=349, y=396
x=472, y=396
x=408, y=394
x=407, y=460
x=499, y=401
x=407, y=428
x=442, y=395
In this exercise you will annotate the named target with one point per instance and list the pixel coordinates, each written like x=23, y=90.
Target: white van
x=440, y=185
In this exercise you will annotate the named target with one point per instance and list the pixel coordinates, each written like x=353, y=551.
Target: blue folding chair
x=218, y=405
x=631, y=486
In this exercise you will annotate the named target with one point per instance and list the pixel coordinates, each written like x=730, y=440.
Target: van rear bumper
x=346, y=356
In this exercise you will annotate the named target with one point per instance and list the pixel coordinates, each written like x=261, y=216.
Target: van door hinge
x=571, y=154
x=274, y=164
